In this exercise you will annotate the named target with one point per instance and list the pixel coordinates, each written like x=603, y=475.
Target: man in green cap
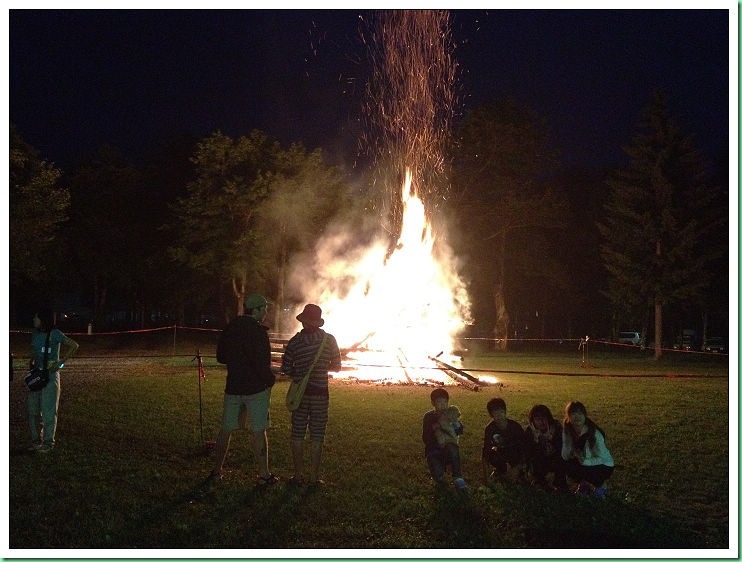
x=245, y=348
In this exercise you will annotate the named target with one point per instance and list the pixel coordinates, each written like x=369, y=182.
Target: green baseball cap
x=255, y=301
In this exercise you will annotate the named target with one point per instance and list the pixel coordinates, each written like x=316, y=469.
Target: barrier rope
x=279, y=340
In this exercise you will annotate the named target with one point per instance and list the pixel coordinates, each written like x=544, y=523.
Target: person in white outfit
x=589, y=463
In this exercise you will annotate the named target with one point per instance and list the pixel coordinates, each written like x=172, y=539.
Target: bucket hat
x=311, y=316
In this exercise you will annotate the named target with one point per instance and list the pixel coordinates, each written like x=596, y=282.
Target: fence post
x=583, y=346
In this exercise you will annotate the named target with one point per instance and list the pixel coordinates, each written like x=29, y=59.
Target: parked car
x=687, y=340
x=632, y=338
x=715, y=344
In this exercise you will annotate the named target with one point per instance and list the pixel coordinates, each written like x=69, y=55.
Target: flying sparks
x=399, y=300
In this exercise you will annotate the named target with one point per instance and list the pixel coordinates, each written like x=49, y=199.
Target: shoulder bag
x=296, y=389
x=38, y=377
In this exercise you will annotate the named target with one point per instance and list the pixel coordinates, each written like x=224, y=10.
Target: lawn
x=129, y=469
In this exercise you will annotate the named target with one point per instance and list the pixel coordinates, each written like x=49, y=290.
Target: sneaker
x=583, y=489
x=460, y=483
x=213, y=478
x=296, y=482
x=495, y=478
x=45, y=448
x=543, y=485
x=267, y=480
x=34, y=447
x=600, y=492
x=316, y=485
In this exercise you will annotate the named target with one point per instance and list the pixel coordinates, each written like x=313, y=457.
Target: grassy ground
x=130, y=464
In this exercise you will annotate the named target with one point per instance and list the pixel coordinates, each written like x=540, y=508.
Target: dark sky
x=130, y=78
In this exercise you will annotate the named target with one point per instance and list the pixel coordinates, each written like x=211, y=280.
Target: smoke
x=335, y=265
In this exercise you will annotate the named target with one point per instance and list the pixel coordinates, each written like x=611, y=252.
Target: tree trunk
x=502, y=319
x=657, y=328
x=99, y=300
x=142, y=314
x=658, y=314
x=704, y=327
x=280, y=297
x=238, y=289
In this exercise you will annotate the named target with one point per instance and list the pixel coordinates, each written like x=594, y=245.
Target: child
x=439, y=457
x=588, y=460
x=544, y=448
x=449, y=426
x=503, y=442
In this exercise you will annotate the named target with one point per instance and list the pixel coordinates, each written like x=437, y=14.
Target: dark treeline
x=548, y=252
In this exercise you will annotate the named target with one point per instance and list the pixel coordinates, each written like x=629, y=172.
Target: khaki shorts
x=247, y=411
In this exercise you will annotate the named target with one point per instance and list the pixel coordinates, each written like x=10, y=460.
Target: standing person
x=311, y=348
x=503, y=443
x=544, y=448
x=245, y=348
x=43, y=405
x=440, y=455
x=588, y=460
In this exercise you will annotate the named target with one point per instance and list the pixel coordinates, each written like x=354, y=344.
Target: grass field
x=130, y=464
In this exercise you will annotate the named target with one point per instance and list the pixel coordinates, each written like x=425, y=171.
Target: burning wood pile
x=393, y=297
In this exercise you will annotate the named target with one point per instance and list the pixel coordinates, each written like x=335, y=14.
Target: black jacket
x=246, y=350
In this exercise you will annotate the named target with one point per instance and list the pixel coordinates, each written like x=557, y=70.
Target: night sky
x=79, y=79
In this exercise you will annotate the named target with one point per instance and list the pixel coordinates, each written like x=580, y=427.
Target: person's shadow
x=460, y=521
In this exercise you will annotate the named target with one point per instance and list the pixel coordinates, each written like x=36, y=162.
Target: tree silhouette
x=505, y=210
x=660, y=208
x=38, y=209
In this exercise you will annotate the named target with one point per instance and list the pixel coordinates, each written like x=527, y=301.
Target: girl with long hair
x=588, y=460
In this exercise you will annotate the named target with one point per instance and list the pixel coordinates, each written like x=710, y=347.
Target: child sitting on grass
x=502, y=445
x=588, y=460
x=544, y=449
x=438, y=456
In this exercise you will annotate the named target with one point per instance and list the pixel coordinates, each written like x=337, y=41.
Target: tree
x=304, y=194
x=504, y=209
x=582, y=308
x=661, y=206
x=108, y=233
x=38, y=209
x=173, y=291
x=215, y=221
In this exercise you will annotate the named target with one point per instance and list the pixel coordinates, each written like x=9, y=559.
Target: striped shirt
x=300, y=353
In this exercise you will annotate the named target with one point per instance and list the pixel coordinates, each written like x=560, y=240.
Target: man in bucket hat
x=245, y=348
x=311, y=348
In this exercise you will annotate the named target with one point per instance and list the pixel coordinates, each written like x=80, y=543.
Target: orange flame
x=395, y=310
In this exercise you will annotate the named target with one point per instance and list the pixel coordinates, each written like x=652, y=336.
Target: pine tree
x=661, y=206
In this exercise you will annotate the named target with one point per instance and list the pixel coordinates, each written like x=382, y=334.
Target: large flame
x=397, y=306
x=393, y=311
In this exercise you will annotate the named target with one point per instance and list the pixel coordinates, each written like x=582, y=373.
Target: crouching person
x=544, y=449
x=441, y=452
x=502, y=445
x=588, y=461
